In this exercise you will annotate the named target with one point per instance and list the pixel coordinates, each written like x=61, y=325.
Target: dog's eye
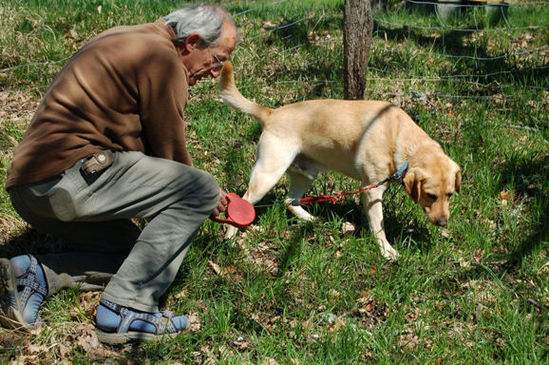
x=431, y=196
x=449, y=195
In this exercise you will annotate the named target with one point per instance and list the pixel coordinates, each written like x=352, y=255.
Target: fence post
x=357, y=38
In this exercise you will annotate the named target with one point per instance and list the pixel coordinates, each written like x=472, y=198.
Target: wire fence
x=472, y=79
x=462, y=78
x=447, y=28
x=478, y=5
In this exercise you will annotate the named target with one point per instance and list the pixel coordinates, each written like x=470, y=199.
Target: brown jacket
x=125, y=90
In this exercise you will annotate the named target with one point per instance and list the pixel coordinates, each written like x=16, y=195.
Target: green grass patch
x=301, y=293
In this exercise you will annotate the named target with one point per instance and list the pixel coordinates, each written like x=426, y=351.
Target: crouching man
x=107, y=144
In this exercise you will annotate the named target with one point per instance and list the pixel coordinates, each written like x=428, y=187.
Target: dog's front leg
x=373, y=209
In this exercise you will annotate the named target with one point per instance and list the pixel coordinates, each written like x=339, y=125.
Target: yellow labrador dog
x=365, y=140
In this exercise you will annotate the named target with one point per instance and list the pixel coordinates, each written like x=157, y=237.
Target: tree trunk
x=357, y=37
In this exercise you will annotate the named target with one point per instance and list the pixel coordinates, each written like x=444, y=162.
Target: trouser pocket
x=62, y=204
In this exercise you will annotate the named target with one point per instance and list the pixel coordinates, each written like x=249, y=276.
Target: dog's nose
x=443, y=222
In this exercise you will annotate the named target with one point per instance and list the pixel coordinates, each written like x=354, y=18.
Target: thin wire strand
x=33, y=64
x=278, y=2
x=439, y=79
x=461, y=5
x=448, y=28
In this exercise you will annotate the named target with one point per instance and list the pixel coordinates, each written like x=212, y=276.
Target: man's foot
x=116, y=324
x=23, y=288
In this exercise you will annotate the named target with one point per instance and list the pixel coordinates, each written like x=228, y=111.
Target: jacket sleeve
x=163, y=91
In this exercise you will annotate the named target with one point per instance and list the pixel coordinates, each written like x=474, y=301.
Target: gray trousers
x=94, y=220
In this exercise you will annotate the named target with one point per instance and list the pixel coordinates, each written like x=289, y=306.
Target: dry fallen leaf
x=215, y=267
x=444, y=232
x=412, y=316
x=64, y=350
x=182, y=294
x=265, y=257
x=348, y=228
x=478, y=255
x=25, y=360
x=337, y=325
x=334, y=294
x=268, y=25
x=89, y=302
x=370, y=311
x=194, y=322
x=73, y=34
x=408, y=340
x=313, y=337
x=269, y=361
x=504, y=195
x=464, y=263
x=240, y=343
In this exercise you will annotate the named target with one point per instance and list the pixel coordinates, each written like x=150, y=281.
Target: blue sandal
x=23, y=288
x=116, y=324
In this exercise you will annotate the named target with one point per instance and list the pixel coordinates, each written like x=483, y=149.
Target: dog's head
x=431, y=181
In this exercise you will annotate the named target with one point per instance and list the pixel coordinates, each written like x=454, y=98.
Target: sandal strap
x=112, y=306
x=162, y=321
x=30, y=282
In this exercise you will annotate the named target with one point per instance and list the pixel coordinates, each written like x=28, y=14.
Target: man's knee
x=206, y=190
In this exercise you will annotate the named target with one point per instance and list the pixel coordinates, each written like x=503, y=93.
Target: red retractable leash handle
x=239, y=212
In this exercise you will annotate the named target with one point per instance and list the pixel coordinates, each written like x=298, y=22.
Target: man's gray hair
x=205, y=20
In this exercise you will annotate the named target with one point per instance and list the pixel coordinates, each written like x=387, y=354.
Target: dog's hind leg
x=300, y=181
x=274, y=156
x=373, y=209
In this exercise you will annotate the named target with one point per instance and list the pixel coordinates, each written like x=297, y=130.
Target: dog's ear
x=457, y=184
x=412, y=183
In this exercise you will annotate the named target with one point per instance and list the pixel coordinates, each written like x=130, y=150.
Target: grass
x=302, y=293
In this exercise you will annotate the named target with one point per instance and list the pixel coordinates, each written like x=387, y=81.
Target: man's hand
x=222, y=204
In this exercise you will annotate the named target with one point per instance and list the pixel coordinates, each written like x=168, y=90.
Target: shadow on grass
x=397, y=229
x=294, y=247
x=474, y=58
x=29, y=241
x=318, y=79
x=529, y=178
x=294, y=34
x=291, y=33
x=449, y=42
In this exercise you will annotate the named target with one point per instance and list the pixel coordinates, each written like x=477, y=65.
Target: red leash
x=241, y=213
x=335, y=197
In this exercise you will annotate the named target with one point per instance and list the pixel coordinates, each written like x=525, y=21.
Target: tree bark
x=357, y=38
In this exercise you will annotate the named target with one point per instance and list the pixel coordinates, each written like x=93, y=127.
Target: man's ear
x=412, y=183
x=191, y=42
x=457, y=184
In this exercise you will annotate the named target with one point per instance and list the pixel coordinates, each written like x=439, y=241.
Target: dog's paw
x=231, y=232
x=389, y=253
x=301, y=213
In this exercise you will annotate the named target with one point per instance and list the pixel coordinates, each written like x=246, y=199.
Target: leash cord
x=335, y=197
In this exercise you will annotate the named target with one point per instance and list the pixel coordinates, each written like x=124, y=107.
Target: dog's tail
x=230, y=95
